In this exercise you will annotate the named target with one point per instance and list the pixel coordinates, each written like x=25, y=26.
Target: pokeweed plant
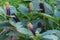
x=29, y=19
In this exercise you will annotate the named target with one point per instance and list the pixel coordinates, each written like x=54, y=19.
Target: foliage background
x=50, y=20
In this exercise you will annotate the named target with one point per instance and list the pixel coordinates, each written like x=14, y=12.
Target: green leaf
x=2, y=14
x=57, y=14
x=2, y=18
x=3, y=36
x=36, y=5
x=51, y=34
x=48, y=16
x=4, y=24
x=50, y=37
x=17, y=25
x=48, y=8
x=13, y=10
x=24, y=31
x=24, y=10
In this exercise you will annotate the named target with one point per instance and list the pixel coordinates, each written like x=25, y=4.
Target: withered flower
x=7, y=8
x=30, y=26
x=30, y=6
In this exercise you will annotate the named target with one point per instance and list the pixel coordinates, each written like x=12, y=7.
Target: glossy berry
x=42, y=7
x=39, y=25
x=15, y=18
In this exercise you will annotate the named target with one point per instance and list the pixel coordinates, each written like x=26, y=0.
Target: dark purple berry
x=15, y=18
x=42, y=7
x=39, y=25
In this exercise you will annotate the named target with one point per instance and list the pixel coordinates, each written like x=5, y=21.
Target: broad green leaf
x=2, y=18
x=21, y=29
x=36, y=5
x=50, y=37
x=2, y=14
x=17, y=25
x=24, y=31
x=48, y=16
x=51, y=24
x=51, y=33
x=57, y=14
x=4, y=24
x=58, y=4
x=48, y=8
x=24, y=10
x=13, y=10
x=3, y=37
